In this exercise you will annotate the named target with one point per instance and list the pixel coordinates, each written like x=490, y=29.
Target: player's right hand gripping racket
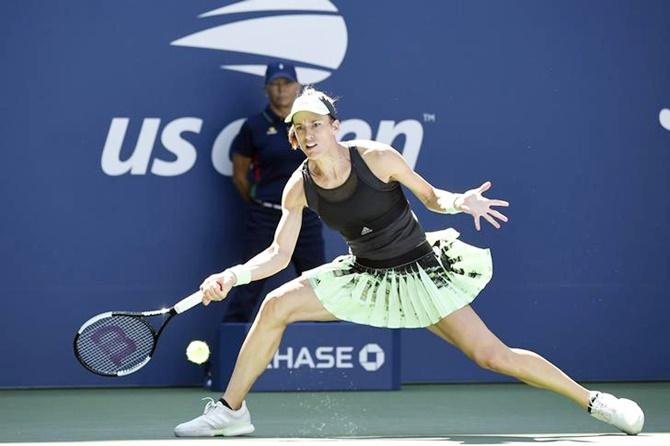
x=119, y=343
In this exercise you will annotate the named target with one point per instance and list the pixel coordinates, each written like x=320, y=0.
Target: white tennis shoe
x=623, y=414
x=217, y=419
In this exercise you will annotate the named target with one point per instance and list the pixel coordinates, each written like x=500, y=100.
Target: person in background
x=262, y=164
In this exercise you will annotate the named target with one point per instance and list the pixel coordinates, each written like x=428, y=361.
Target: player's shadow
x=513, y=439
x=505, y=439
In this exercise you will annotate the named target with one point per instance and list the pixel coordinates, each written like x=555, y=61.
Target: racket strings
x=115, y=344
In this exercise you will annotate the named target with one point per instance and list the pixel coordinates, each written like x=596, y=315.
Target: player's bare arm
x=389, y=165
x=273, y=259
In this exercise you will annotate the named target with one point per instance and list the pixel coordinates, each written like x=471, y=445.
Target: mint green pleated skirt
x=414, y=295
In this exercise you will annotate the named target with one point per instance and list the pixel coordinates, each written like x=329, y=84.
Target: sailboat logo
x=310, y=33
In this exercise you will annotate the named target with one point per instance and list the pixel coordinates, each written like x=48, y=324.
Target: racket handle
x=188, y=302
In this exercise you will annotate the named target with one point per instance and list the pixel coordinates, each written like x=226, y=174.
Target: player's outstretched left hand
x=474, y=203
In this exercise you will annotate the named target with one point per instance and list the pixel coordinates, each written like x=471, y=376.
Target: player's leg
x=468, y=332
x=292, y=302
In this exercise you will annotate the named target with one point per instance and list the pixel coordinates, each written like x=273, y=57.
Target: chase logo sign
x=315, y=39
x=371, y=357
x=320, y=356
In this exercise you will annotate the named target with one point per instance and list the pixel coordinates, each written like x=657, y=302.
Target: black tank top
x=373, y=217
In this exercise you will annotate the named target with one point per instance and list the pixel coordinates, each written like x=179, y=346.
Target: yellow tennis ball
x=197, y=352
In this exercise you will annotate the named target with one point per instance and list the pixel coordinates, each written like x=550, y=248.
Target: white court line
x=646, y=439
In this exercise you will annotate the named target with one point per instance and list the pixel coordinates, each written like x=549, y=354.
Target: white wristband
x=242, y=274
x=448, y=203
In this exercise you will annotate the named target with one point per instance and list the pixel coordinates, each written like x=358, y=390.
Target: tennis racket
x=119, y=343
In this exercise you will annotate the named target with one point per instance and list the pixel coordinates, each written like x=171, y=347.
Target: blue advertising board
x=318, y=356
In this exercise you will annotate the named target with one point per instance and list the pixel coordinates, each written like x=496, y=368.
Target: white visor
x=307, y=103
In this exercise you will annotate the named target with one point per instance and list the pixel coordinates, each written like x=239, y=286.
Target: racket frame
x=183, y=305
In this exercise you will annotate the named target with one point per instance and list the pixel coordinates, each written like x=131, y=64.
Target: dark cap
x=276, y=70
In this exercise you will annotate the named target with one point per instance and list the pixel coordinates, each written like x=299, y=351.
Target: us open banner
x=115, y=193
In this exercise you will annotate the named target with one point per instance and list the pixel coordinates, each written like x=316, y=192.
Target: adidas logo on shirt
x=365, y=230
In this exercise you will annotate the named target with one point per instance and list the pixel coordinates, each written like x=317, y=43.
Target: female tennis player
x=395, y=276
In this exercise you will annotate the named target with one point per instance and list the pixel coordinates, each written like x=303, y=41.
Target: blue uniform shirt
x=264, y=139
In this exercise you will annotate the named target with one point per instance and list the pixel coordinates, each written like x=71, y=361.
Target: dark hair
x=331, y=108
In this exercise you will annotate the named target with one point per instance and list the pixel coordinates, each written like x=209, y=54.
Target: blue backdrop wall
x=115, y=119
